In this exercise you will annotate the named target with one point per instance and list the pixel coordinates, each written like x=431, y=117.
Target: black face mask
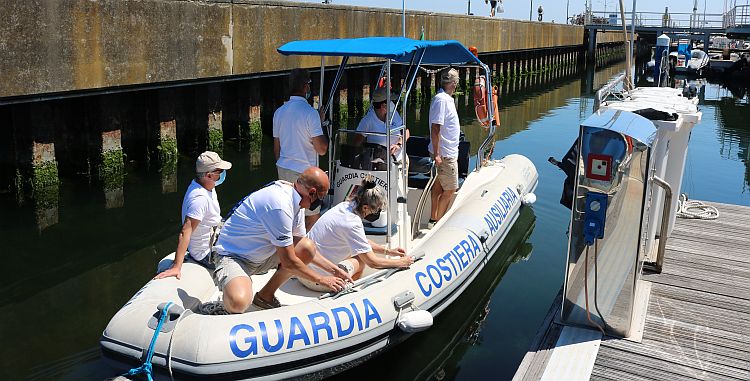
x=315, y=204
x=372, y=217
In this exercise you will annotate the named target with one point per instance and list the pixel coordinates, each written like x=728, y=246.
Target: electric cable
x=586, y=290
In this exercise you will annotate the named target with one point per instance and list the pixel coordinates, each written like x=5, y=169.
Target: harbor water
x=62, y=283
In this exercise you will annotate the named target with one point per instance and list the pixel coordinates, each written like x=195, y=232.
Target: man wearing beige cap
x=374, y=121
x=200, y=213
x=445, y=131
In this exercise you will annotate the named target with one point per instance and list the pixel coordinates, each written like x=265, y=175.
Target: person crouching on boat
x=445, y=131
x=201, y=214
x=374, y=121
x=265, y=231
x=341, y=242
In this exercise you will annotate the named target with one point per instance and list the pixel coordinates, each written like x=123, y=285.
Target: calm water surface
x=61, y=284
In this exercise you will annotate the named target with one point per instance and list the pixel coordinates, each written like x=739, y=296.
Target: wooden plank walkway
x=698, y=318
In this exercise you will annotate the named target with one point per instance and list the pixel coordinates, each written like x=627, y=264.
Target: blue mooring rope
x=146, y=368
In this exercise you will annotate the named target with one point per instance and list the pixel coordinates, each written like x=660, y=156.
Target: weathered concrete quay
x=90, y=85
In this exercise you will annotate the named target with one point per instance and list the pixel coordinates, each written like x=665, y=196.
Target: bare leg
x=305, y=251
x=445, y=199
x=238, y=294
x=358, y=265
x=437, y=190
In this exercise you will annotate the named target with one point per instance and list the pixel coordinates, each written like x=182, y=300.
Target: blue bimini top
x=401, y=49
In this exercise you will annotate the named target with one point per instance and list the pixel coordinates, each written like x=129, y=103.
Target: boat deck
x=697, y=324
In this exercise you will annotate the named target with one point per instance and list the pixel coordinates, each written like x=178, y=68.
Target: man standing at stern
x=297, y=135
x=445, y=132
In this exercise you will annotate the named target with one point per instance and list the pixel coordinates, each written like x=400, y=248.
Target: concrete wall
x=49, y=46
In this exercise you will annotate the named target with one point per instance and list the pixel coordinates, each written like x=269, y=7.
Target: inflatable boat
x=318, y=334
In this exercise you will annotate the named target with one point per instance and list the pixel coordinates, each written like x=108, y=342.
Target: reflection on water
x=61, y=284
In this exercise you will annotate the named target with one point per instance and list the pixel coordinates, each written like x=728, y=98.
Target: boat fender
x=528, y=199
x=415, y=321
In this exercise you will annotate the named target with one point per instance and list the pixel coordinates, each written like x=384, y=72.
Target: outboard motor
x=604, y=249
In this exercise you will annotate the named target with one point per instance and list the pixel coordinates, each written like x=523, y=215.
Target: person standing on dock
x=266, y=231
x=445, y=132
x=201, y=214
x=297, y=135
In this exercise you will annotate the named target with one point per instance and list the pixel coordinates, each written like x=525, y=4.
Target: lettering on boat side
x=500, y=209
x=361, y=175
x=301, y=331
x=449, y=266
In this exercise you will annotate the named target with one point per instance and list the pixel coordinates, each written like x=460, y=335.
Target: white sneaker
x=431, y=224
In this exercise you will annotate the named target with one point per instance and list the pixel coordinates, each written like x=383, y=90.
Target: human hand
x=339, y=272
x=405, y=261
x=172, y=271
x=334, y=283
x=394, y=148
x=438, y=160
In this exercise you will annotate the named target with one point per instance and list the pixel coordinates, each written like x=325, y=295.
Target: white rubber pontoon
x=315, y=334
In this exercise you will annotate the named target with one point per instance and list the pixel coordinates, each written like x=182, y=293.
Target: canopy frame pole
x=389, y=162
x=328, y=108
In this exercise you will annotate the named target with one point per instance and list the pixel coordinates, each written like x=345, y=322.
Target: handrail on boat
x=606, y=90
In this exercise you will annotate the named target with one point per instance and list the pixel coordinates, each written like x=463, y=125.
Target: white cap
x=210, y=161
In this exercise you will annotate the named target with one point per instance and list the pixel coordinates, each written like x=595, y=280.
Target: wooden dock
x=697, y=325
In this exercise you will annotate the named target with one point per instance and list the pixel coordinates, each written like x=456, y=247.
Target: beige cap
x=381, y=94
x=450, y=75
x=210, y=161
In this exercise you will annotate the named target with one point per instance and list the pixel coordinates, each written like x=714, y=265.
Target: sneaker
x=265, y=305
x=213, y=308
x=431, y=224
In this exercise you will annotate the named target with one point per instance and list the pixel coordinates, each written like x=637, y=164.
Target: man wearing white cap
x=445, y=131
x=200, y=213
x=374, y=121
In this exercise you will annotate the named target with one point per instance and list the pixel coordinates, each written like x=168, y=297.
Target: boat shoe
x=265, y=305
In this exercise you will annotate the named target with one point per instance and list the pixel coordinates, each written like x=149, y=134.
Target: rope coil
x=695, y=209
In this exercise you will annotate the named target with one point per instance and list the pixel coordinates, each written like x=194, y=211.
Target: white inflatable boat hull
x=316, y=335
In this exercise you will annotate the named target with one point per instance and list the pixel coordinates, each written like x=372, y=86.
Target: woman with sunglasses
x=342, y=249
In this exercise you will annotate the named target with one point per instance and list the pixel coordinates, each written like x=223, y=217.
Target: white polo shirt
x=339, y=234
x=443, y=112
x=371, y=123
x=203, y=205
x=295, y=124
x=264, y=220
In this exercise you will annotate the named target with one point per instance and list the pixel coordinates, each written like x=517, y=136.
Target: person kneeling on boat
x=341, y=242
x=201, y=214
x=265, y=231
x=374, y=121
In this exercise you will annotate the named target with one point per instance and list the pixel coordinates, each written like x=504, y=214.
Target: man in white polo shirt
x=261, y=233
x=200, y=213
x=297, y=135
x=445, y=132
x=374, y=121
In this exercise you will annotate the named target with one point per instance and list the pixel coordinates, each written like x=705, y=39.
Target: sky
x=553, y=9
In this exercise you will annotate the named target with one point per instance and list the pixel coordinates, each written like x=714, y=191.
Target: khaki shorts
x=228, y=268
x=345, y=264
x=447, y=173
x=291, y=176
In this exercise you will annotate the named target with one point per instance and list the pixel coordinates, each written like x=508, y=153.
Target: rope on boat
x=147, y=368
x=434, y=71
x=695, y=209
x=169, y=347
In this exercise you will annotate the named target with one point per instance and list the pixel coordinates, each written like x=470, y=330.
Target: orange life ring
x=480, y=102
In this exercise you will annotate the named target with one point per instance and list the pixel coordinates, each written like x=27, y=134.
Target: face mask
x=315, y=204
x=372, y=217
x=221, y=179
x=308, y=94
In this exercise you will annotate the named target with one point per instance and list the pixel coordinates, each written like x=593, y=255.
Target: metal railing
x=737, y=16
x=656, y=19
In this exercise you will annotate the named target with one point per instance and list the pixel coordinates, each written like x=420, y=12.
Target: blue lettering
x=467, y=249
x=426, y=292
x=356, y=315
x=447, y=270
x=371, y=313
x=490, y=223
x=326, y=325
x=251, y=350
x=264, y=335
x=461, y=255
x=297, y=332
x=343, y=332
x=474, y=245
x=449, y=257
x=437, y=282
